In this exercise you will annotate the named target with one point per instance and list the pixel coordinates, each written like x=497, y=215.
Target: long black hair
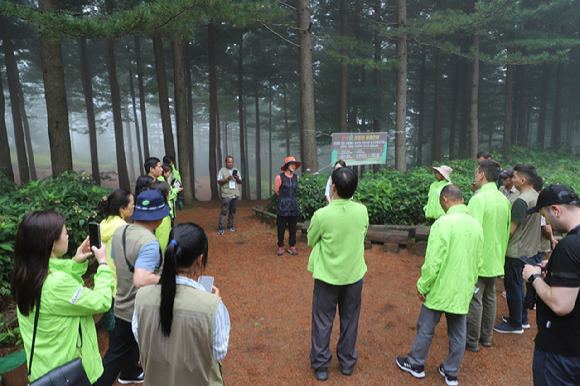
x=142, y=184
x=191, y=243
x=117, y=199
x=33, y=244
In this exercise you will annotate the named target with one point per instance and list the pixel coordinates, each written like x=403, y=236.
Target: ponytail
x=168, y=288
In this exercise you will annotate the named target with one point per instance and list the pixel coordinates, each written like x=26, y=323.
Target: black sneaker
x=525, y=324
x=138, y=379
x=417, y=371
x=232, y=229
x=220, y=232
x=507, y=328
x=451, y=381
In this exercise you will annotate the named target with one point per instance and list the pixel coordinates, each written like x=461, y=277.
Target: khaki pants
x=481, y=316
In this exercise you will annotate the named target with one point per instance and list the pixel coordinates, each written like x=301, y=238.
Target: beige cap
x=445, y=171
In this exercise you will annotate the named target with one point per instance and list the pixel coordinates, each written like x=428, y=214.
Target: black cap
x=554, y=195
x=508, y=173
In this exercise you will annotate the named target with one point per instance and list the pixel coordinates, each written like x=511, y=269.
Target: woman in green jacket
x=40, y=276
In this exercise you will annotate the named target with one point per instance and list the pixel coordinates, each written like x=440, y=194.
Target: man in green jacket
x=433, y=208
x=336, y=236
x=448, y=277
x=491, y=209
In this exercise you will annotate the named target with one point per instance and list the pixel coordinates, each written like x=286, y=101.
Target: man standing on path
x=507, y=185
x=524, y=241
x=433, y=208
x=336, y=236
x=448, y=276
x=557, y=350
x=491, y=210
x=229, y=180
x=137, y=255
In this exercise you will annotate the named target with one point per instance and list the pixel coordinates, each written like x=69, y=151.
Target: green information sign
x=360, y=148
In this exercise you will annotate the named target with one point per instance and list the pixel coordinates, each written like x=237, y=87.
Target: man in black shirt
x=557, y=351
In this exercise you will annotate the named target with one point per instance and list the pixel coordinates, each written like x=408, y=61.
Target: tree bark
x=437, y=106
x=258, y=144
x=212, y=112
x=181, y=117
x=190, y=136
x=218, y=146
x=473, y=111
x=557, y=123
x=377, y=74
x=163, y=96
x=507, y=126
x=454, y=104
x=270, y=137
x=523, y=105
x=343, y=73
x=286, y=127
x=13, y=80
x=137, y=129
x=401, y=91
x=123, y=176
x=307, y=117
x=142, y=109
x=5, y=161
x=26, y=127
x=88, y=95
x=131, y=161
x=422, y=77
x=242, y=121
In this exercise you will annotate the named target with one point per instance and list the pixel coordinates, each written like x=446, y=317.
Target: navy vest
x=287, y=201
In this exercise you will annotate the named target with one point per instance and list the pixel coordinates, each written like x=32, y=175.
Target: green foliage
x=8, y=336
x=74, y=195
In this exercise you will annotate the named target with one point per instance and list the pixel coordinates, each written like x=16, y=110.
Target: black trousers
x=281, y=223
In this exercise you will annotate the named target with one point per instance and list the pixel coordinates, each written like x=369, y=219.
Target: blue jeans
x=555, y=370
x=514, y=288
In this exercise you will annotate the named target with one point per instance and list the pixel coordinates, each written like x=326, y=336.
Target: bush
x=74, y=195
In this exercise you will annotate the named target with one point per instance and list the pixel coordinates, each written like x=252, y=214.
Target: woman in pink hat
x=287, y=209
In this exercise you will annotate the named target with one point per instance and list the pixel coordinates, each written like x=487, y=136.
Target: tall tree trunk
x=131, y=160
x=473, y=111
x=464, y=125
x=454, y=104
x=181, y=116
x=270, y=137
x=88, y=95
x=307, y=117
x=401, y=91
x=507, y=126
x=190, y=136
x=137, y=129
x=557, y=122
x=377, y=74
x=163, y=95
x=212, y=112
x=422, y=77
x=5, y=161
x=543, y=105
x=26, y=127
x=117, y=120
x=523, y=105
x=258, y=144
x=142, y=109
x=242, y=121
x=13, y=80
x=437, y=105
x=286, y=127
x=225, y=140
x=219, y=157
x=56, y=102
x=343, y=73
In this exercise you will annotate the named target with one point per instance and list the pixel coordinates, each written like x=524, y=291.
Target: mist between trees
x=199, y=80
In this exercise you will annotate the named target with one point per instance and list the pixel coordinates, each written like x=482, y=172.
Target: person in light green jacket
x=492, y=210
x=448, y=277
x=433, y=209
x=336, y=236
x=65, y=304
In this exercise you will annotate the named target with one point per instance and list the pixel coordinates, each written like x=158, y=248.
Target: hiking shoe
x=232, y=229
x=525, y=324
x=321, y=374
x=292, y=251
x=280, y=251
x=220, y=232
x=450, y=380
x=139, y=379
x=472, y=349
x=417, y=371
x=504, y=294
x=506, y=328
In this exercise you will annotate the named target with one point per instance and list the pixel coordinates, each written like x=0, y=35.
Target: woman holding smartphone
x=183, y=331
x=42, y=279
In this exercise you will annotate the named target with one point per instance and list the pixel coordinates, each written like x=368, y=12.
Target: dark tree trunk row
x=5, y=162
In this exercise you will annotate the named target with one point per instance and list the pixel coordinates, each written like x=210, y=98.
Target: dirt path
x=269, y=300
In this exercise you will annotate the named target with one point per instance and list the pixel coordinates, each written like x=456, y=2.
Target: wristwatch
x=533, y=277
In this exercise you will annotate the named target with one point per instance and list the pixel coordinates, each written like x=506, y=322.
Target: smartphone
x=206, y=282
x=95, y=234
x=235, y=173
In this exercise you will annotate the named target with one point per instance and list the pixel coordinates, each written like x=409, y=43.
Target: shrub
x=74, y=195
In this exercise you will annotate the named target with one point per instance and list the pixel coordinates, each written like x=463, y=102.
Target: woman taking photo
x=183, y=331
x=40, y=277
x=288, y=210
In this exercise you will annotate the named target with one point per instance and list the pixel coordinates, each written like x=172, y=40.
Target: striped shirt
x=221, y=323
